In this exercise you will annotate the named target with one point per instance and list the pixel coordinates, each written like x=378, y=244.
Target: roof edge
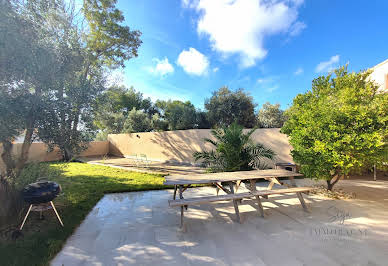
x=380, y=64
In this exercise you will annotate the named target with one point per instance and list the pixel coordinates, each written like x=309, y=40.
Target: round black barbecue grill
x=38, y=195
x=41, y=192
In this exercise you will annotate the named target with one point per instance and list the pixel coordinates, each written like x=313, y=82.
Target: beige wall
x=175, y=146
x=38, y=152
x=179, y=145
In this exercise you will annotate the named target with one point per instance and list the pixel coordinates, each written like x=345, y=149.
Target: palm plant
x=234, y=151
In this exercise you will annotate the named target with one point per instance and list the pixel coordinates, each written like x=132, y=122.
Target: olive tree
x=105, y=44
x=270, y=116
x=28, y=65
x=338, y=126
x=226, y=106
x=54, y=69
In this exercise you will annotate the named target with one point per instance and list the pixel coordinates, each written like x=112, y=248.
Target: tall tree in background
x=226, y=107
x=113, y=107
x=137, y=121
x=178, y=114
x=270, y=116
x=52, y=70
x=107, y=45
x=339, y=126
x=203, y=120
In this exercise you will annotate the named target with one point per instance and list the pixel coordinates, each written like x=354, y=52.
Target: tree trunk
x=30, y=127
x=6, y=156
x=329, y=185
x=66, y=154
x=332, y=182
x=25, y=148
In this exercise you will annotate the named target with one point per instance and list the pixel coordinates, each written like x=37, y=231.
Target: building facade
x=380, y=75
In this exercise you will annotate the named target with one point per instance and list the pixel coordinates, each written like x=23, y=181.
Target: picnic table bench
x=229, y=182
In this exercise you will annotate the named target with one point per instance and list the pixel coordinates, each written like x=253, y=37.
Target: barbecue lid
x=41, y=191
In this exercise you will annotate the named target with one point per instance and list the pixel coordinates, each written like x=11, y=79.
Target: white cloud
x=266, y=80
x=297, y=28
x=272, y=89
x=215, y=69
x=269, y=83
x=162, y=67
x=240, y=26
x=298, y=71
x=193, y=62
x=189, y=3
x=329, y=65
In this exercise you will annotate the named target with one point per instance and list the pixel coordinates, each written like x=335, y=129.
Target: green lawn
x=83, y=186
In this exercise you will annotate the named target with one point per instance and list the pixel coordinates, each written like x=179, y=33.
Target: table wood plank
x=210, y=178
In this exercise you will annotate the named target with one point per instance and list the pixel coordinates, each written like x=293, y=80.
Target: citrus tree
x=338, y=126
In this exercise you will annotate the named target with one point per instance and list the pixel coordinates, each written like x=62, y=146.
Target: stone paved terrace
x=139, y=228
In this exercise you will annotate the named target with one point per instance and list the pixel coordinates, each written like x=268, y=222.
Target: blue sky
x=272, y=49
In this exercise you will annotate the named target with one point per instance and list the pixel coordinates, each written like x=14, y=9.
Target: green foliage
x=25, y=50
x=108, y=41
x=338, y=126
x=226, y=107
x=83, y=186
x=113, y=106
x=54, y=69
x=158, y=124
x=203, y=120
x=270, y=116
x=137, y=121
x=68, y=104
x=28, y=63
x=11, y=116
x=34, y=172
x=178, y=114
x=234, y=151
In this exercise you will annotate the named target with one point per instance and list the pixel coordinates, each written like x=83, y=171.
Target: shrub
x=339, y=126
x=234, y=151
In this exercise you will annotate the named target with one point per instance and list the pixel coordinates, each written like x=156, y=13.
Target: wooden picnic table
x=209, y=178
x=229, y=182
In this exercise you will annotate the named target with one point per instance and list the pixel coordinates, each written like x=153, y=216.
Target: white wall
x=379, y=75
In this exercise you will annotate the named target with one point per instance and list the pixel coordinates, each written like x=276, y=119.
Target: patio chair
x=135, y=158
x=144, y=160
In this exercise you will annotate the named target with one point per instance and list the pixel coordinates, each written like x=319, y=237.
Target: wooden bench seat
x=238, y=196
x=281, y=191
x=204, y=200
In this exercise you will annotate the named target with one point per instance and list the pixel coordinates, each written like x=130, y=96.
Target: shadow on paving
x=139, y=229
